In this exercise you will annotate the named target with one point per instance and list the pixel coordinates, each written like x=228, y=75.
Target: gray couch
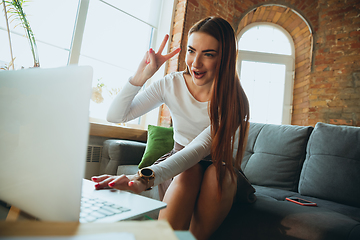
x=320, y=164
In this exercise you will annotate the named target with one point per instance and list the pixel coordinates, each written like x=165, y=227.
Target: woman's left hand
x=123, y=182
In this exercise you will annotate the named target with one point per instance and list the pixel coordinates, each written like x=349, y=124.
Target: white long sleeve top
x=190, y=117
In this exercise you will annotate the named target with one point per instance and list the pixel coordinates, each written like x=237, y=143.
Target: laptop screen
x=44, y=128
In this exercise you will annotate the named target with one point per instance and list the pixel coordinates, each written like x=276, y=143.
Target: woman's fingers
x=157, y=59
x=121, y=182
x=163, y=43
x=164, y=58
x=130, y=183
x=152, y=56
x=151, y=63
x=147, y=58
x=102, y=181
x=100, y=178
x=162, y=46
x=171, y=54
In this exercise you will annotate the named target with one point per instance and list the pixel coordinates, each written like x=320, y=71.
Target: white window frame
x=164, y=27
x=287, y=60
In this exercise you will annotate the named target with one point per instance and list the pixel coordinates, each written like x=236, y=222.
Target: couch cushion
x=349, y=211
x=270, y=219
x=120, y=152
x=332, y=167
x=279, y=194
x=274, y=154
x=159, y=142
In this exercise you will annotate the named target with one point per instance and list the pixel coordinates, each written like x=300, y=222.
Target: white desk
x=149, y=230
x=20, y=224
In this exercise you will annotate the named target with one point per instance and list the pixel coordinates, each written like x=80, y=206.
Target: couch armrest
x=120, y=152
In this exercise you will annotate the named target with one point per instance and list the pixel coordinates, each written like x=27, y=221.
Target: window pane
x=265, y=38
x=113, y=44
x=103, y=96
x=148, y=12
x=263, y=84
x=50, y=56
x=53, y=21
x=20, y=48
x=115, y=37
x=53, y=32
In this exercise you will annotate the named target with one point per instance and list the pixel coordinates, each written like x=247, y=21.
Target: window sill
x=115, y=131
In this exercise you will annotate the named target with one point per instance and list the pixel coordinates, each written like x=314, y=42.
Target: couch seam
x=335, y=156
x=301, y=163
x=308, y=146
x=252, y=152
x=273, y=154
x=257, y=136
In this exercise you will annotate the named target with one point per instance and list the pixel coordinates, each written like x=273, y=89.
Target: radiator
x=93, y=153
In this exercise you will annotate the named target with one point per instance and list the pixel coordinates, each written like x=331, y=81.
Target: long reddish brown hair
x=228, y=106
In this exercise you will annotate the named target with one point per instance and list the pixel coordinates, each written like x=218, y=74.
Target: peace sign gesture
x=151, y=63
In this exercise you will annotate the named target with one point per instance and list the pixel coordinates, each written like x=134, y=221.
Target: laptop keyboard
x=93, y=209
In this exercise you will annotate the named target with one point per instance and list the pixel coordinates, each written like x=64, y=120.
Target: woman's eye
x=190, y=51
x=209, y=55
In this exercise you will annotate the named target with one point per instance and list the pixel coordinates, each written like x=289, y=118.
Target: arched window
x=266, y=70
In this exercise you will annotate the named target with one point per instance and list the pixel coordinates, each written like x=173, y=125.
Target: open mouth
x=198, y=74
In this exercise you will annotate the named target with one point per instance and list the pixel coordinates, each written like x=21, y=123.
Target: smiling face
x=202, y=57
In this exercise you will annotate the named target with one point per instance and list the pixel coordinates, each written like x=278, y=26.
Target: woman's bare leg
x=210, y=210
x=181, y=198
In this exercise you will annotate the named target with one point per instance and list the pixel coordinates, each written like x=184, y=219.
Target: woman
x=210, y=115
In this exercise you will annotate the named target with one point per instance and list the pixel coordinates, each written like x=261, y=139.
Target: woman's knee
x=191, y=175
x=210, y=179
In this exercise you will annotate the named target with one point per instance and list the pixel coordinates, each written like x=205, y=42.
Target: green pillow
x=159, y=142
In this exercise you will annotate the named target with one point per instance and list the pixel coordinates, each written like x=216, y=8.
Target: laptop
x=44, y=130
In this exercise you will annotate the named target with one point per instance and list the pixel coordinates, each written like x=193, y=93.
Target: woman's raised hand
x=123, y=182
x=151, y=63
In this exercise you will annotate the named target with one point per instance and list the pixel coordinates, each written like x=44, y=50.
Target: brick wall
x=326, y=35
x=334, y=89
